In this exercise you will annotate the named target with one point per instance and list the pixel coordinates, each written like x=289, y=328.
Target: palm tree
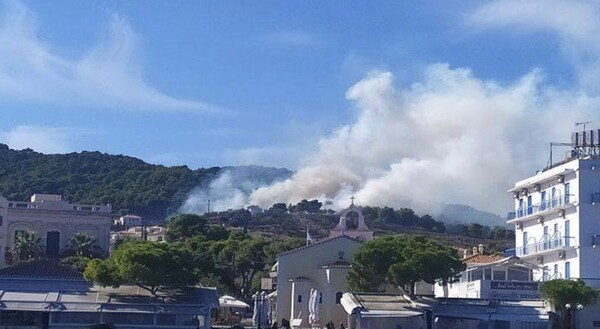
x=27, y=246
x=83, y=245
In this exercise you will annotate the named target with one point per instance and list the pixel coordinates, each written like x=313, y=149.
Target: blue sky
x=213, y=83
x=399, y=103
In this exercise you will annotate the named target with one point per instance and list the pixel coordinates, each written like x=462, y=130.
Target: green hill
x=127, y=183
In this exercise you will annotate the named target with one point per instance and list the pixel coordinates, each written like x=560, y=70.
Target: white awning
x=520, y=317
x=390, y=314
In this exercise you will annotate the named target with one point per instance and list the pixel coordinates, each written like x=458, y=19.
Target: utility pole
x=208, y=208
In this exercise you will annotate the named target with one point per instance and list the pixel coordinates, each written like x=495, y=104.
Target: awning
x=349, y=303
x=520, y=317
x=25, y=306
x=115, y=308
x=473, y=316
x=390, y=314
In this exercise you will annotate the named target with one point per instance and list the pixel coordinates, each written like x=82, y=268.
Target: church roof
x=338, y=264
x=318, y=243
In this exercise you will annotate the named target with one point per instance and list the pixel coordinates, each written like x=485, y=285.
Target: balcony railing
x=551, y=244
x=541, y=207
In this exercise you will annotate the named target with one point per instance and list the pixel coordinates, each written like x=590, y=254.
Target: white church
x=323, y=266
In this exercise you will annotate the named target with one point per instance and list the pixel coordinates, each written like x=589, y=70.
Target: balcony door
x=543, y=203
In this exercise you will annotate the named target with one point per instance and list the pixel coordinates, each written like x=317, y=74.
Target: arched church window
x=338, y=297
x=352, y=220
x=299, y=298
x=320, y=298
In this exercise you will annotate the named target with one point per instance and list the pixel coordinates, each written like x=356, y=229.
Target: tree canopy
x=402, y=261
x=560, y=292
x=148, y=265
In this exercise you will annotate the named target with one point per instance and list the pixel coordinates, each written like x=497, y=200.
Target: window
x=556, y=271
x=320, y=298
x=529, y=205
x=338, y=297
x=567, y=192
x=546, y=238
x=299, y=299
x=500, y=275
x=553, y=197
x=487, y=274
x=567, y=270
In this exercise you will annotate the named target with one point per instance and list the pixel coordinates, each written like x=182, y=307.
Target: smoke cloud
x=451, y=138
x=231, y=188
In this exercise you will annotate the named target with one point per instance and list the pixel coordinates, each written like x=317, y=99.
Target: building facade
x=324, y=266
x=557, y=219
x=54, y=221
x=493, y=277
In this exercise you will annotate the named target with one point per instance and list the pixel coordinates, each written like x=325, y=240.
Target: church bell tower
x=352, y=224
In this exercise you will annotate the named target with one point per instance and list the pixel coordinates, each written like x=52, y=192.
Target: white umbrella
x=255, y=315
x=313, y=308
x=228, y=301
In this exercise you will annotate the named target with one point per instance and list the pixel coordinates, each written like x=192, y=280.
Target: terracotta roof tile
x=482, y=259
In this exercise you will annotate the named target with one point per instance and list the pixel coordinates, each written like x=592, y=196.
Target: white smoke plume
x=231, y=188
x=451, y=138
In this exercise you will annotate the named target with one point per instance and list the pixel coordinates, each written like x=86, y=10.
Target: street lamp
x=570, y=314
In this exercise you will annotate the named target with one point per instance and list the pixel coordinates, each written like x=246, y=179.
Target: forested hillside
x=127, y=183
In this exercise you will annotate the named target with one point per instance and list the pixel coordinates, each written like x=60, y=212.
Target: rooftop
x=41, y=269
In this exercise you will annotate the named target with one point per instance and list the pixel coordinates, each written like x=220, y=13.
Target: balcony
x=539, y=248
x=541, y=208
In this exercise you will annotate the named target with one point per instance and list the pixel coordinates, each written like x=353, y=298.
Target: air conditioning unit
x=524, y=192
x=540, y=259
x=561, y=254
x=515, y=195
x=560, y=179
x=537, y=187
x=540, y=220
x=519, y=226
x=561, y=213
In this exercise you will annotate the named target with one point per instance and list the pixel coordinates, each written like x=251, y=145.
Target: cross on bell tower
x=352, y=198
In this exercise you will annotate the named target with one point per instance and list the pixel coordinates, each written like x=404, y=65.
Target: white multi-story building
x=54, y=221
x=557, y=220
x=557, y=217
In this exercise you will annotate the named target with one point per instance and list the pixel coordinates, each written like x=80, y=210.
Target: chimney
x=480, y=249
x=474, y=250
x=465, y=253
